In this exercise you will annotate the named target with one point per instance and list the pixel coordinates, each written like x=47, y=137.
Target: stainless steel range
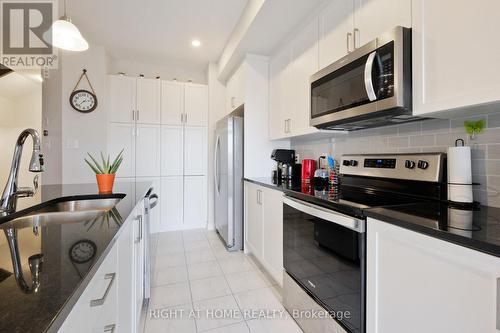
x=324, y=245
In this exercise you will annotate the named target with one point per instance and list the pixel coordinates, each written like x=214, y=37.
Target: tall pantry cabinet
x=161, y=126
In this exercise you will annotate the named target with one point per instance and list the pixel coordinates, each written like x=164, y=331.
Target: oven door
x=324, y=251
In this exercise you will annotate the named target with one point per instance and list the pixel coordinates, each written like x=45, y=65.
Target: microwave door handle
x=368, y=77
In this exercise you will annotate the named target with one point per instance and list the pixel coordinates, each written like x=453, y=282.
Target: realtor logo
x=26, y=34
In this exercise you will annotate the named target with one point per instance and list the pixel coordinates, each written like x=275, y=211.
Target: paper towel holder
x=457, y=141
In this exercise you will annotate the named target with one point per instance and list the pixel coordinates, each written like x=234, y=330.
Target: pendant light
x=66, y=36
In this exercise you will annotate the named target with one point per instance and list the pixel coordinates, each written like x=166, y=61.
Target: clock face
x=83, y=101
x=82, y=251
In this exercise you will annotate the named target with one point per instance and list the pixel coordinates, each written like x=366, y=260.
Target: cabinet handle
x=185, y=118
x=182, y=118
x=137, y=117
x=109, y=328
x=285, y=125
x=289, y=125
x=348, y=39
x=139, y=238
x=100, y=301
x=133, y=114
x=259, y=197
x=356, y=32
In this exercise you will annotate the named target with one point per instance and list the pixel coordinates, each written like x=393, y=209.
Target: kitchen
x=341, y=159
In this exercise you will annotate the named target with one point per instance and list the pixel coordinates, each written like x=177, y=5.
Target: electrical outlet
x=297, y=158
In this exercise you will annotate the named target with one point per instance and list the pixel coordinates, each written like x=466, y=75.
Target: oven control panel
x=422, y=167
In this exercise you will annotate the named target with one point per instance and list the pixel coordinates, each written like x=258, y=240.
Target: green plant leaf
x=92, y=167
x=96, y=164
x=116, y=165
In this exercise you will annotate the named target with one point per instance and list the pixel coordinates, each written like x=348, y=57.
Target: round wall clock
x=83, y=101
x=82, y=251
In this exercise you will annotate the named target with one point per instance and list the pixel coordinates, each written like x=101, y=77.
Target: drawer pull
x=139, y=238
x=100, y=301
x=109, y=328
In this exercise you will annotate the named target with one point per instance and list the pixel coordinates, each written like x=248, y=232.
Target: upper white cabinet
x=289, y=89
x=195, y=104
x=336, y=31
x=374, y=17
x=148, y=101
x=122, y=94
x=455, y=55
x=134, y=99
x=235, y=90
x=454, y=288
x=172, y=150
x=172, y=103
x=278, y=81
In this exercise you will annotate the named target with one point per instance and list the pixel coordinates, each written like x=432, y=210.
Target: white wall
x=135, y=68
x=83, y=132
x=216, y=111
x=18, y=112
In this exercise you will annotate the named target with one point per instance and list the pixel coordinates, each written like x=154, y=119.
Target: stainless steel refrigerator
x=228, y=177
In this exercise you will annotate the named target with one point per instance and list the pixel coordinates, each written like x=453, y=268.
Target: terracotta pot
x=105, y=182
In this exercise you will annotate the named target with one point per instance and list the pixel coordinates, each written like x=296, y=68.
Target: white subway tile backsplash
x=434, y=135
x=423, y=140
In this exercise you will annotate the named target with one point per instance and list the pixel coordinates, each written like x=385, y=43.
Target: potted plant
x=105, y=172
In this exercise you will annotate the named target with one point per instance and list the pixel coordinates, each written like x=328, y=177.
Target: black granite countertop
x=477, y=228
x=62, y=279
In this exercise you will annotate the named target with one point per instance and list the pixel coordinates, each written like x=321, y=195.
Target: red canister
x=308, y=168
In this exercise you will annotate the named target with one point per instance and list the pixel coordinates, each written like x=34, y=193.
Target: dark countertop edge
x=60, y=317
x=44, y=204
x=472, y=244
x=264, y=182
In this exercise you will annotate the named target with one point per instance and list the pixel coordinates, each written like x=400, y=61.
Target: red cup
x=308, y=168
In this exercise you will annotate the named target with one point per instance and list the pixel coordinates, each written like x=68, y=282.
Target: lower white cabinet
x=147, y=156
x=122, y=136
x=112, y=300
x=172, y=197
x=417, y=283
x=195, y=202
x=264, y=227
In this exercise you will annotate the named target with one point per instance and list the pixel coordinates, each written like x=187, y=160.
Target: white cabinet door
x=254, y=219
x=273, y=234
x=147, y=150
x=195, y=104
x=455, y=56
x=235, y=90
x=138, y=230
x=148, y=101
x=278, y=93
x=336, y=28
x=172, y=102
x=172, y=151
x=374, y=17
x=305, y=63
x=122, y=92
x=195, y=151
x=454, y=288
x=195, y=202
x=172, y=203
x=126, y=319
x=122, y=136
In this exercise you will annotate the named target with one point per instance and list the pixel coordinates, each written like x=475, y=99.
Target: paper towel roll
x=460, y=221
x=459, y=174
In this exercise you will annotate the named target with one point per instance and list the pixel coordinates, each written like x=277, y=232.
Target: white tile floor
x=195, y=279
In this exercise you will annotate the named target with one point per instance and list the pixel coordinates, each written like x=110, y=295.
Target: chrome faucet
x=12, y=191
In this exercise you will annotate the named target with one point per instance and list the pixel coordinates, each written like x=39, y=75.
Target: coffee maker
x=286, y=168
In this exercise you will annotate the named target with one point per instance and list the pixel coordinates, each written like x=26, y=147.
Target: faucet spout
x=9, y=197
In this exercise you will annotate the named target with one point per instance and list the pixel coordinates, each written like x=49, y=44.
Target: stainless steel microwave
x=369, y=87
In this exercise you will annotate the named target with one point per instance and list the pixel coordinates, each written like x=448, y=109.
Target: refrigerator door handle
x=216, y=171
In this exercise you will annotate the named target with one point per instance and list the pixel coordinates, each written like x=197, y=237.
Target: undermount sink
x=81, y=205
x=74, y=211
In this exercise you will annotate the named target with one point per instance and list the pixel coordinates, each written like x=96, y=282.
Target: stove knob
x=354, y=163
x=409, y=164
x=346, y=163
x=423, y=164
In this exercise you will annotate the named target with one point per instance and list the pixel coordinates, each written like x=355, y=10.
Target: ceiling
x=19, y=84
x=158, y=31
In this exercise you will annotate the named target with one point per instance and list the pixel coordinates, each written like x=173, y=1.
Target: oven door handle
x=326, y=214
x=368, y=77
